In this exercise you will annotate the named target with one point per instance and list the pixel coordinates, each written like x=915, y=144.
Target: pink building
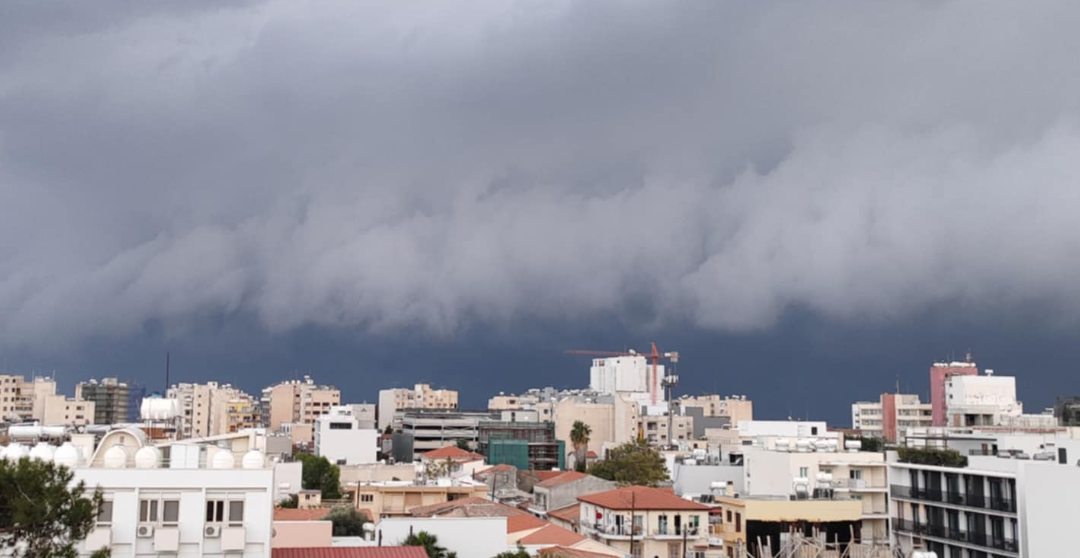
x=939, y=371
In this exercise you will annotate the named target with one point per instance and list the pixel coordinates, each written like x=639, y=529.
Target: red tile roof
x=567, y=552
x=473, y=506
x=591, y=455
x=563, y=478
x=523, y=522
x=552, y=534
x=452, y=452
x=351, y=552
x=641, y=498
x=545, y=475
x=312, y=514
x=569, y=513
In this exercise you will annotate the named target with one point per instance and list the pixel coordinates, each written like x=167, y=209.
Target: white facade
x=339, y=438
x=469, y=537
x=980, y=400
x=627, y=374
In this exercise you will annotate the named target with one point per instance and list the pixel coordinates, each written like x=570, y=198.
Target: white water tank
x=26, y=431
x=223, y=460
x=116, y=457
x=159, y=408
x=253, y=459
x=147, y=458
x=853, y=445
x=923, y=554
x=783, y=444
x=42, y=452
x=67, y=455
x=14, y=452
x=802, y=445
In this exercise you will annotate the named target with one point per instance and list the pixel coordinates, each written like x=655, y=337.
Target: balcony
x=676, y=533
x=967, y=537
x=615, y=531
x=980, y=501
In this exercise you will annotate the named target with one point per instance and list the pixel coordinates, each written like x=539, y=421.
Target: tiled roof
x=552, y=534
x=351, y=552
x=312, y=514
x=641, y=498
x=569, y=513
x=591, y=455
x=452, y=452
x=563, y=478
x=467, y=507
x=523, y=522
x=568, y=552
x=545, y=475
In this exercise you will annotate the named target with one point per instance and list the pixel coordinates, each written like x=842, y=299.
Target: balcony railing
x=944, y=532
x=954, y=498
x=691, y=532
x=616, y=530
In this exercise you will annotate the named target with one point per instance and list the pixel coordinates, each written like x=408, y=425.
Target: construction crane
x=655, y=355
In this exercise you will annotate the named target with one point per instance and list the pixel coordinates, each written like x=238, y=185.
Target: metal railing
x=955, y=498
x=959, y=535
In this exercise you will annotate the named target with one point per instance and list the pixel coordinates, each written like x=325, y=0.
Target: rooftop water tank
x=14, y=452
x=116, y=457
x=42, y=452
x=223, y=460
x=253, y=459
x=25, y=431
x=147, y=458
x=159, y=408
x=67, y=455
x=853, y=445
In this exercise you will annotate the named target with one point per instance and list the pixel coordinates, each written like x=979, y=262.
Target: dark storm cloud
x=417, y=165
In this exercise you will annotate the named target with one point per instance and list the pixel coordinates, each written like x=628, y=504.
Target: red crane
x=655, y=355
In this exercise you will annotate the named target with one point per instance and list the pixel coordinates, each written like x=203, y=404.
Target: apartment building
x=211, y=409
x=115, y=402
x=399, y=498
x=735, y=407
x=992, y=507
x=614, y=419
x=424, y=430
x=421, y=396
x=891, y=416
x=298, y=402
x=645, y=522
x=340, y=438
x=60, y=410
x=939, y=373
x=631, y=375
x=666, y=430
x=22, y=400
x=241, y=413
x=747, y=524
x=527, y=445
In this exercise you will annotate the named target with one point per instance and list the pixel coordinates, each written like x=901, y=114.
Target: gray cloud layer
x=390, y=165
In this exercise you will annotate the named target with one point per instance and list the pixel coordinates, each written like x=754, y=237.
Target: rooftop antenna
x=968, y=357
x=166, y=374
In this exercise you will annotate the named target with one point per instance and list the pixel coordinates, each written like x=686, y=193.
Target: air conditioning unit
x=144, y=531
x=212, y=531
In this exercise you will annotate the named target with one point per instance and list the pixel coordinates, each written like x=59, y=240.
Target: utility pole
x=632, y=510
x=685, y=531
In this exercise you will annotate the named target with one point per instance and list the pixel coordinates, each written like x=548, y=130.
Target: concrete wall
x=302, y=534
x=1048, y=505
x=697, y=479
x=355, y=446
x=567, y=493
x=288, y=478
x=469, y=537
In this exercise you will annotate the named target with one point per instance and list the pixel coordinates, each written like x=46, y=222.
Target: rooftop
x=552, y=534
x=312, y=514
x=640, y=498
x=568, y=552
x=467, y=507
x=452, y=452
x=569, y=513
x=563, y=478
x=351, y=552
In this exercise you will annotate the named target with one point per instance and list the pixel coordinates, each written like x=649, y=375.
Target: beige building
x=736, y=408
x=740, y=523
x=614, y=420
x=208, y=409
x=36, y=400
x=298, y=402
x=655, y=429
x=60, y=410
x=397, y=499
x=421, y=396
x=657, y=521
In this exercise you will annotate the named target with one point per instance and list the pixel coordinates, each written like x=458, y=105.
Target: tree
x=290, y=503
x=429, y=542
x=463, y=444
x=519, y=553
x=41, y=512
x=633, y=463
x=347, y=521
x=579, y=437
x=320, y=474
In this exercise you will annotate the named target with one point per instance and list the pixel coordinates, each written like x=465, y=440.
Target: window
x=215, y=511
x=340, y=426
x=170, y=512
x=105, y=513
x=673, y=550
x=367, y=497
x=856, y=474
x=804, y=472
x=729, y=520
x=148, y=511
x=738, y=522
x=635, y=550
x=236, y=511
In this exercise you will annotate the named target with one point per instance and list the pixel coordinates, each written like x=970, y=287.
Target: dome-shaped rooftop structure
x=42, y=452
x=14, y=452
x=116, y=457
x=223, y=460
x=67, y=455
x=148, y=457
x=253, y=459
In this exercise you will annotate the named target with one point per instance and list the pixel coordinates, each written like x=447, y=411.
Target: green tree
x=579, y=438
x=320, y=474
x=463, y=444
x=290, y=503
x=347, y=521
x=42, y=514
x=429, y=542
x=633, y=463
x=519, y=553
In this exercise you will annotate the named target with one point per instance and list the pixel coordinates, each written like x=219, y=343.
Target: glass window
x=148, y=511
x=105, y=513
x=170, y=511
x=738, y=522
x=236, y=511
x=215, y=511
x=804, y=472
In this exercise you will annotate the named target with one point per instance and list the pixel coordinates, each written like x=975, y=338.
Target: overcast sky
x=273, y=186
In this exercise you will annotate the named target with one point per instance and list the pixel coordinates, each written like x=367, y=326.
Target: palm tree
x=428, y=541
x=579, y=437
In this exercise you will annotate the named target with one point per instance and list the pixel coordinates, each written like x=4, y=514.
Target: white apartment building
x=340, y=439
x=205, y=408
x=891, y=416
x=994, y=507
x=421, y=396
x=631, y=375
x=980, y=400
